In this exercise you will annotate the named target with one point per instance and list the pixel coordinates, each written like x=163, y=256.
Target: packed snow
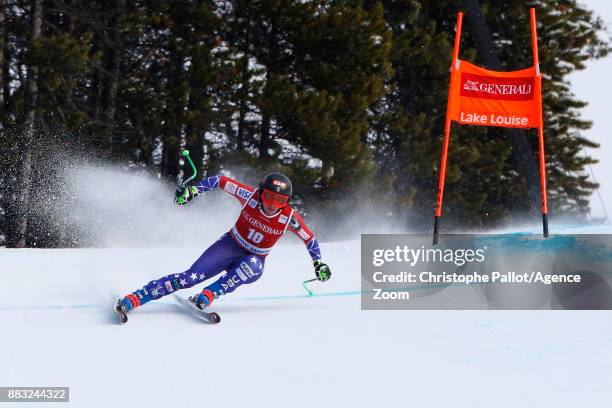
x=275, y=346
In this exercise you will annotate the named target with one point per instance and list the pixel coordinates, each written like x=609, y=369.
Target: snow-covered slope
x=277, y=347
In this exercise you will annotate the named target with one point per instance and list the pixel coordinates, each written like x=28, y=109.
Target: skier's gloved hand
x=183, y=195
x=322, y=270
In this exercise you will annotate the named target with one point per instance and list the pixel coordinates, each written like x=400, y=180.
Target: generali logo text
x=488, y=87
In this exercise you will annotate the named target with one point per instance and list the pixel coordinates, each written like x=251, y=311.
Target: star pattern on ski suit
x=254, y=261
x=183, y=282
x=193, y=276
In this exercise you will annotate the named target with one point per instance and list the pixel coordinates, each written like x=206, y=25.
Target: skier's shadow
x=151, y=309
x=177, y=309
x=222, y=309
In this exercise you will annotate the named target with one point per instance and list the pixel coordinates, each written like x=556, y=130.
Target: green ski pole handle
x=185, y=153
x=306, y=282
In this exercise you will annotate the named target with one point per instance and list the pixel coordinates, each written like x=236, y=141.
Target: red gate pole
x=447, y=130
x=536, y=63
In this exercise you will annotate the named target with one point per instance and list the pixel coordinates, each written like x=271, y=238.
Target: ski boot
x=203, y=300
x=124, y=305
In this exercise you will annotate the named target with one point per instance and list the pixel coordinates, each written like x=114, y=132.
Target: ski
x=208, y=317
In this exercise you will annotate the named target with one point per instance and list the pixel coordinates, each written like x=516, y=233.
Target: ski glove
x=184, y=195
x=322, y=270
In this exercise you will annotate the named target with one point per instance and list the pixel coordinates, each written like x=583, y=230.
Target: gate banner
x=479, y=96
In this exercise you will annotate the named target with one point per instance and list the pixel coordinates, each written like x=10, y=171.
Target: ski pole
x=185, y=153
x=304, y=284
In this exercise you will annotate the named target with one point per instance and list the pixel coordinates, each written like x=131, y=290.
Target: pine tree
x=341, y=95
x=408, y=126
x=568, y=37
x=342, y=63
x=18, y=211
x=35, y=107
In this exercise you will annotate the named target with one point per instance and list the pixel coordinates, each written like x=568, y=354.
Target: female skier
x=241, y=252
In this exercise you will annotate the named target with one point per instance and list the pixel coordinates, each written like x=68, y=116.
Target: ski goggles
x=272, y=199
